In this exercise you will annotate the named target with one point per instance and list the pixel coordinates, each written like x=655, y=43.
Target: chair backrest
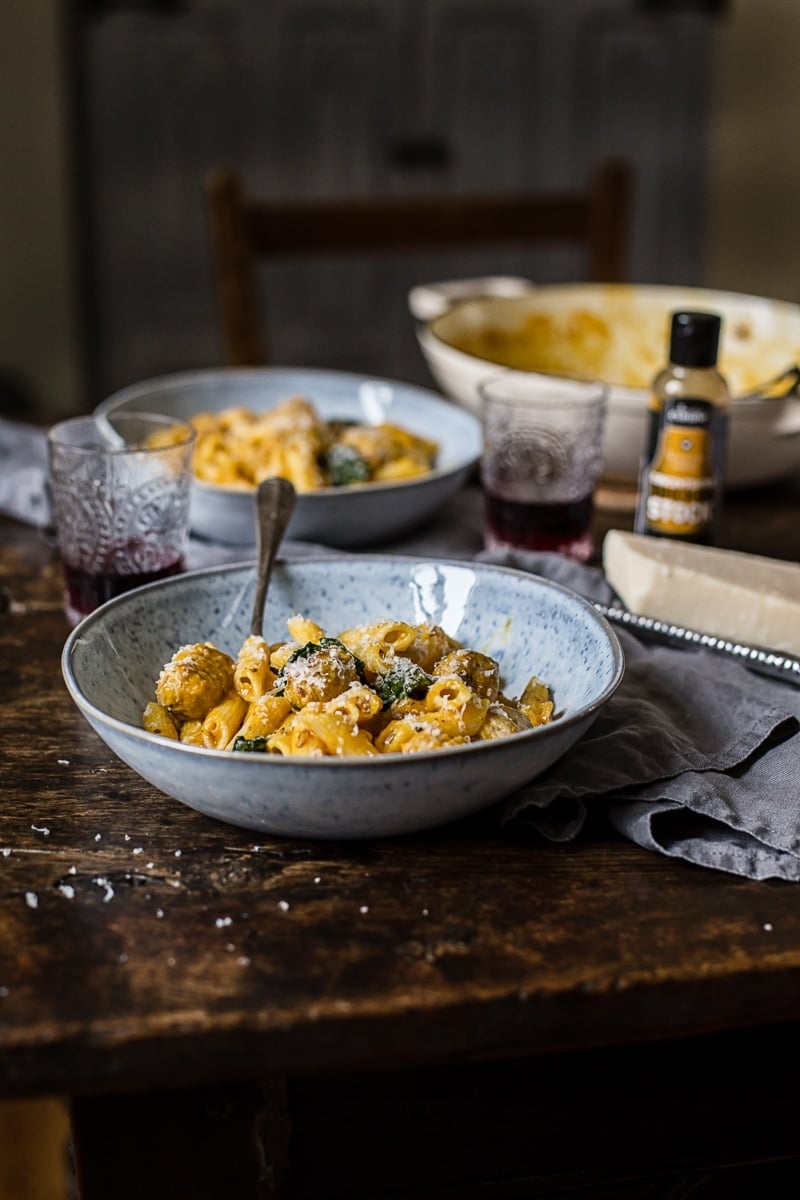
x=245, y=229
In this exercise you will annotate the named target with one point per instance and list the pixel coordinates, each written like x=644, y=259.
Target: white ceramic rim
x=622, y=395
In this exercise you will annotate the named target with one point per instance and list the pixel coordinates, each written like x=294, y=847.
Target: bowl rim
x=350, y=762
x=432, y=340
x=691, y=291
x=470, y=426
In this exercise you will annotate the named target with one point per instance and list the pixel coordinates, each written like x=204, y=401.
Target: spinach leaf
x=345, y=465
x=256, y=745
x=403, y=679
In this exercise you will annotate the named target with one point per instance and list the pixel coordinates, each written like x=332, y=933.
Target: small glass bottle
x=682, y=475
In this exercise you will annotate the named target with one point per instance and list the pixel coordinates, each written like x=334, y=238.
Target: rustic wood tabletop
x=451, y=1014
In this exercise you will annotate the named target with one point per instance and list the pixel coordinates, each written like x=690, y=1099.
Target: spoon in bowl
x=780, y=388
x=275, y=501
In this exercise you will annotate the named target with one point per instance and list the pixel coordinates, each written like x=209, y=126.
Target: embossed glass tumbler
x=120, y=487
x=542, y=459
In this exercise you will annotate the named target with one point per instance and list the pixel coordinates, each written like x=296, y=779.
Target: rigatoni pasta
x=252, y=674
x=237, y=448
x=385, y=688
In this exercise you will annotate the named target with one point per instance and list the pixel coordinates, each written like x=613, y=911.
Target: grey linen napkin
x=694, y=756
x=23, y=472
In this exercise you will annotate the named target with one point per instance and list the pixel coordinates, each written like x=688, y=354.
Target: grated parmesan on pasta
x=385, y=688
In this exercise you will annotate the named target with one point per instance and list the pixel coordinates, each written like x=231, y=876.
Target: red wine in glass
x=86, y=589
x=562, y=527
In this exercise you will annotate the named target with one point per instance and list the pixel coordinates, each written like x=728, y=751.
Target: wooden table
x=449, y=1015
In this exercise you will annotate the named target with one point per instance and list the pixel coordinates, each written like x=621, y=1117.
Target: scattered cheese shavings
x=32, y=900
x=104, y=883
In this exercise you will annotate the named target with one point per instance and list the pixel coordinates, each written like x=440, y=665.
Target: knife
x=765, y=662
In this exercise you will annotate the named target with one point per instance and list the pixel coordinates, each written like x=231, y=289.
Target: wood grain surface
x=145, y=947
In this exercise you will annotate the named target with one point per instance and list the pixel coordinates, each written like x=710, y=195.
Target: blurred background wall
x=41, y=353
x=750, y=234
x=753, y=215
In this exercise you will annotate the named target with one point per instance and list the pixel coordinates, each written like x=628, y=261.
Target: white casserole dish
x=619, y=333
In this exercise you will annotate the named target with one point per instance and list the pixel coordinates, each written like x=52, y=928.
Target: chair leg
x=34, y=1154
x=234, y=274
x=610, y=218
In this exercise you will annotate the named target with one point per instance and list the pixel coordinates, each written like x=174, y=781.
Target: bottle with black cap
x=682, y=475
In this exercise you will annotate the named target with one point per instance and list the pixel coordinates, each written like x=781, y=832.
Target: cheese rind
x=740, y=597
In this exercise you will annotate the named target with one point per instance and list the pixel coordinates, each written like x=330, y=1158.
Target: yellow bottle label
x=682, y=454
x=679, y=482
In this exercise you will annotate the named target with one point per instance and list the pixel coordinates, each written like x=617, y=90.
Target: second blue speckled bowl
x=532, y=626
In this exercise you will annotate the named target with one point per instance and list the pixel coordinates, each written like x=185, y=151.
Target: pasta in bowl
x=384, y=688
x=237, y=447
x=525, y=625
x=371, y=459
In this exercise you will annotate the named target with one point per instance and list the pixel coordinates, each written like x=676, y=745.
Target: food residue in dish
x=623, y=345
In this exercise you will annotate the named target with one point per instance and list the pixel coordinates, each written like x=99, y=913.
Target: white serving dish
x=760, y=340
x=368, y=514
x=113, y=657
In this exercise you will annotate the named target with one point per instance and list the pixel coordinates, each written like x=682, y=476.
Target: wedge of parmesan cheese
x=741, y=597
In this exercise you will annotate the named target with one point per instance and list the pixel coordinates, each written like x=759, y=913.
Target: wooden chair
x=244, y=229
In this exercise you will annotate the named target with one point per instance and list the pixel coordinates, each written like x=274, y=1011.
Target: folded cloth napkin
x=23, y=472
x=695, y=755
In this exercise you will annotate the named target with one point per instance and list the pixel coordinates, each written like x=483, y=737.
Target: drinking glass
x=120, y=487
x=542, y=459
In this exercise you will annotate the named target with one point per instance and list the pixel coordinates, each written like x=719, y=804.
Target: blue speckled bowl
x=359, y=515
x=113, y=657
